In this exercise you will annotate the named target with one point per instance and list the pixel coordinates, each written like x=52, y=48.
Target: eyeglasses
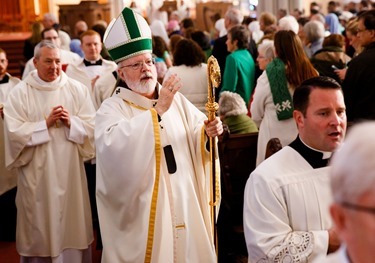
x=361, y=208
x=138, y=65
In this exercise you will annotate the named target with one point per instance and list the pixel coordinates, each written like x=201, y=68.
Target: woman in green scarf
x=233, y=113
x=272, y=106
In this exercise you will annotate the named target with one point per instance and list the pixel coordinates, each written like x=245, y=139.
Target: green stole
x=279, y=88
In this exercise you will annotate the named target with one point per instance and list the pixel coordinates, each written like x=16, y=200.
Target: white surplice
x=127, y=136
x=53, y=208
x=286, y=209
x=8, y=179
x=104, y=88
x=85, y=74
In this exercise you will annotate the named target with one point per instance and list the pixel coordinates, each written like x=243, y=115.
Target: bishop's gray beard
x=143, y=86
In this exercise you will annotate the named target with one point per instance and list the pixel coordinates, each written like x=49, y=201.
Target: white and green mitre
x=128, y=35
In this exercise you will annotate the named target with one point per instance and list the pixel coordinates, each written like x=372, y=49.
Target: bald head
x=49, y=20
x=80, y=27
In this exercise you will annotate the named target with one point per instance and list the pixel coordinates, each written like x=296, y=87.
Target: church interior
x=18, y=16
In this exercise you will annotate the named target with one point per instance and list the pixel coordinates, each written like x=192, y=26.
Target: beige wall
x=273, y=5
x=54, y=4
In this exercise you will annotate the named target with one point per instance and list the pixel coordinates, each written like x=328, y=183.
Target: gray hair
x=50, y=16
x=231, y=104
x=267, y=48
x=314, y=30
x=234, y=16
x=353, y=165
x=289, y=23
x=318, y=17
x=44, y=43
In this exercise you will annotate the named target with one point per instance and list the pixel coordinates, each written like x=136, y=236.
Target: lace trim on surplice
x=295, y=249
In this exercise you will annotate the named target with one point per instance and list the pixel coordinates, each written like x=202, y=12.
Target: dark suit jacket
x=358, y=86
x=220, y=52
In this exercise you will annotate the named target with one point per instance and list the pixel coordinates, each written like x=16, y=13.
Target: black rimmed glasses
x=138, y=65
x=361, y=208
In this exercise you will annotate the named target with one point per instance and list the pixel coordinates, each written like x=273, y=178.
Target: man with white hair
x=152, y=186
x=314, y=35
x=67, y=57
x=352, y=184
x=49, y=20
x=49, y=132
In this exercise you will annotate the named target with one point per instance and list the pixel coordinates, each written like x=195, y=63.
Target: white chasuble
x=53, y=208
x=85, y=75
x=147, y=214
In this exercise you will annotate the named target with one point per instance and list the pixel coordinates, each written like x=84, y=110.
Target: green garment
x=239, y=74
x=240, y=124
x=279, y=88
x=207, y=53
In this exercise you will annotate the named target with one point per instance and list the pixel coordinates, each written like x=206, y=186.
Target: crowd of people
x=107, y=130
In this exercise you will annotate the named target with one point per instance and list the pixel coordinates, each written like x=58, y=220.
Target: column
x=274, y=5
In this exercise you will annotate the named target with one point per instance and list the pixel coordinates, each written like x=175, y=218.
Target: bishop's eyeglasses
x=361, y=208
x=139, y=64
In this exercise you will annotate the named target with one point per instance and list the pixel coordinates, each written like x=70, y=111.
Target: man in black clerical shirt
x=5, y=77
x=92, y=66
x=287, y=197
x=321, y=135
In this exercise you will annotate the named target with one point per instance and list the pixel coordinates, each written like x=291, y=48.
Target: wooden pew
x=237, y=155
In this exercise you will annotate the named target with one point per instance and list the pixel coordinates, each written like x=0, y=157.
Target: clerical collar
x=5, y=79
x=315, y=158
x=93, y=63
x=326, y=155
